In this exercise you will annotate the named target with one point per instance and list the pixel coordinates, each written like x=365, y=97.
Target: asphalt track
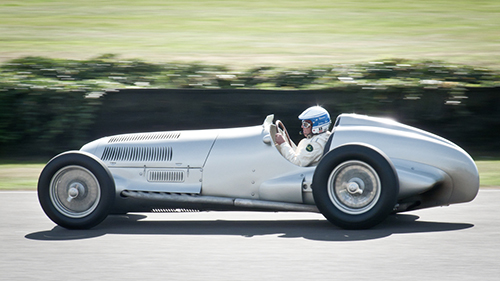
x=460, y=242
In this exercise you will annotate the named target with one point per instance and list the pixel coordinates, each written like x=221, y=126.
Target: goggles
x=305, y=124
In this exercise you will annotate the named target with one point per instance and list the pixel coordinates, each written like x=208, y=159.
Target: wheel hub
x=354, y=187
x=74, y=191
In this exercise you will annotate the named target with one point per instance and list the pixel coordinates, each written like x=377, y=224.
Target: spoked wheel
x=355, y=186
x=76, y=190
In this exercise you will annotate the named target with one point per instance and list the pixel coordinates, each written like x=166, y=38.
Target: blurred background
x=239, y=33
x=72, y=71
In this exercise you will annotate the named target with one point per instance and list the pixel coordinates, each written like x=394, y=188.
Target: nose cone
x=465, y=179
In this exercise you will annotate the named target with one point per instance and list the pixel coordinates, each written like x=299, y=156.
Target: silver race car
x=371, y=167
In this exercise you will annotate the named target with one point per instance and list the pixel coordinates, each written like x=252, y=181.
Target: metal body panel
x=242, y=160
x=174, y=159
x=286, y=188
x=416, y=178
x=243, y=164
x=188, y=149
x=414, y=149
x=139, y=179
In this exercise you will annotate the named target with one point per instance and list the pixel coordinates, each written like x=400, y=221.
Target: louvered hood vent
x=149, y=153
x=145, y=137
x=166, y=176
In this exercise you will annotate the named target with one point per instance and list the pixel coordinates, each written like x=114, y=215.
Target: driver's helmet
x=319, y=117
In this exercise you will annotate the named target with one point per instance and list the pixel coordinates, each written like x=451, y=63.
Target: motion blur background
x=290, y=33
x=71, y=71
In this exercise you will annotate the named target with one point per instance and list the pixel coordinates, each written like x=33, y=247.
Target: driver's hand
x=279, y=139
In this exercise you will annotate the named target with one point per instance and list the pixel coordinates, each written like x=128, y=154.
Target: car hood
x=173, y=149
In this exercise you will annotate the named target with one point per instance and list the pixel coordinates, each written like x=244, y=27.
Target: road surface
x=459, y=242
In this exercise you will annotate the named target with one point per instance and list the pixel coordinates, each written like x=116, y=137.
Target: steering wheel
x=282, y=130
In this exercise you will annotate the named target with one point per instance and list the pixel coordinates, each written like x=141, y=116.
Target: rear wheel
x=76, y=190
x=355, y=186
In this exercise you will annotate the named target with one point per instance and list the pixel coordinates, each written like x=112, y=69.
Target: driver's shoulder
x=321, y=138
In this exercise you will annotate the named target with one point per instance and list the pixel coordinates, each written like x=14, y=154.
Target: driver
x=315, y=124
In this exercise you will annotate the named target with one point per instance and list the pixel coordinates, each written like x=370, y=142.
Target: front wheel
x=76, y=190
x=355, y=186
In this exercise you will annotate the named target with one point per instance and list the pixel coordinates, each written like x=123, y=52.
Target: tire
x=355, y=186
x=76, y=190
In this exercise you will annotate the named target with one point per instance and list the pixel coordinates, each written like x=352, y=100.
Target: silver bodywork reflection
x=240, y=168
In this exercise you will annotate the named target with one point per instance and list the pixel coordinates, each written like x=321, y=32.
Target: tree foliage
x=48, y=105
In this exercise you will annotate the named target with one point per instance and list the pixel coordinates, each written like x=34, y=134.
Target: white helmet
x=319, y=117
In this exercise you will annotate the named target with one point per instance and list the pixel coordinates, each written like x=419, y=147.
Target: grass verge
x=236, y=32
x=489, y=173
x=19, y=176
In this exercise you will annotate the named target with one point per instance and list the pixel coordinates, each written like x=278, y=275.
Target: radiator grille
x=148, y=153
x=166, y=176
x=145, y=137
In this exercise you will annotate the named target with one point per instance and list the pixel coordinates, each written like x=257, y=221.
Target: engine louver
x=137, y=154
x=166, y=176
x=145, y=137
x=159, y=210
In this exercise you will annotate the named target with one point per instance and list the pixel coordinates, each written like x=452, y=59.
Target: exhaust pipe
x=236, y=202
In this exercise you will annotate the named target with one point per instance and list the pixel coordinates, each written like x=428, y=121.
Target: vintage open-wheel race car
x=371, y=167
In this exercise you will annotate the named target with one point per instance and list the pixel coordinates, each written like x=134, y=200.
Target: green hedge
x=110, y=70
x=49, y=105
x=37, y=118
